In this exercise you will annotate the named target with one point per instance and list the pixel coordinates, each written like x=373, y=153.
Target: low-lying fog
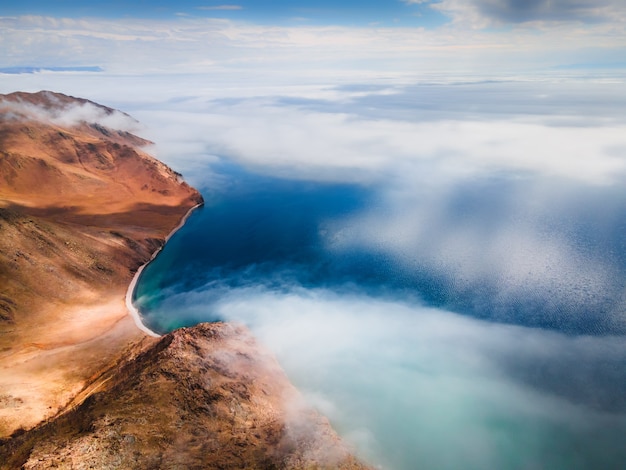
x=440, y=266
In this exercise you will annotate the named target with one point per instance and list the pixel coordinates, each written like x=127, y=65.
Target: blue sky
x=395, y=12
x=425, y=13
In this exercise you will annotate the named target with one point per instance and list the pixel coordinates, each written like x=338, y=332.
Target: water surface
x=480, y=330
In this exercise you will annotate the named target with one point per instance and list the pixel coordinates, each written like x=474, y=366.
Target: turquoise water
x=420, y=359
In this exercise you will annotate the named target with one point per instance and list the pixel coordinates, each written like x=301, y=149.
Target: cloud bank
x=406, y=384
x=514, y=183
x=340, y=132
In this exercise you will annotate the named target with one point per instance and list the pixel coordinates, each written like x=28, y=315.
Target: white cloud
x=90, y=113
x=482, y=13
x=322, y=144
x=71, y=115
x=189, y=44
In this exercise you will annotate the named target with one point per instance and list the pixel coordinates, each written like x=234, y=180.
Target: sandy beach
x=132, y=310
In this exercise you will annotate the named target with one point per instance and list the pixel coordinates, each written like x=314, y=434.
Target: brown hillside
x=81, y=207
x=204, y=397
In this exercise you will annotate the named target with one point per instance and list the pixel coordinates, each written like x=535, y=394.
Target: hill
x=82, y=207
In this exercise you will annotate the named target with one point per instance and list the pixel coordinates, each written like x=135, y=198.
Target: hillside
x=202, y=397
x=82, y=206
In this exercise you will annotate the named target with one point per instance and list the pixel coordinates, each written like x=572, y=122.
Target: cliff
x=82, y=206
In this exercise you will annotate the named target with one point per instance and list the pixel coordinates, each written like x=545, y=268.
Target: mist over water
x=478, y=326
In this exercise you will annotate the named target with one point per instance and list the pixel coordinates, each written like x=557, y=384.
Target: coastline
x=132, y=310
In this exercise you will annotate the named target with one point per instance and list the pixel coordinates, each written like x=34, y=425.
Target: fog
x=69, y=115
x=409, y=385
x=491, y=213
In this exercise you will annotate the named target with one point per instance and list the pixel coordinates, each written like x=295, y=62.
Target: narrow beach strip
x=132, y=310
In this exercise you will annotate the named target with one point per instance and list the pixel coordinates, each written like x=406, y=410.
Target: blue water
x=415, y=364
x=255, y=229
x=263, y=230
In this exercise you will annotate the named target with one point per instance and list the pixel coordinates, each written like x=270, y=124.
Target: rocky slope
x=202, y=397
x=81, y=208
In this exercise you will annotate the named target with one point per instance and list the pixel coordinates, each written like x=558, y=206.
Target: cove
x=253, y=229
x=280, y=233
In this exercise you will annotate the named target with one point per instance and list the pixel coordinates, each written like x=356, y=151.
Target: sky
x=376, y=37
x=426, y=13
x=493, y=135
x=278, y=11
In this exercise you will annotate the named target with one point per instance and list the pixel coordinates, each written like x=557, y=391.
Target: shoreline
x=132, y=310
